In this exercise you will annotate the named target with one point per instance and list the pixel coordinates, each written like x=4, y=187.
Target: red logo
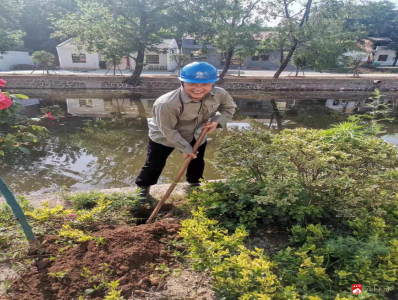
x=357, y=289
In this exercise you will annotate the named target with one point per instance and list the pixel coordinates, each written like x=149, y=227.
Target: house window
x=254, y=104
x=86, y=103
x=152, y=59
x=382, y=58
x=78, y=58
x=262, y=57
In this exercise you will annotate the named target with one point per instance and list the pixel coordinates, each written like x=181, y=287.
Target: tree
x=324, y=42
x=180, y=60
x=375, y=16
x=242, y=54
x=355, y=62
x=10, y=33
x=35, y=21
x=225, y=24
x=316, y=30
x=277, y=40
x=300, y=61
x=133, y=25
x=43, y=59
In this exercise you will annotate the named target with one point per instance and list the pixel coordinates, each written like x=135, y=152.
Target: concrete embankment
x=148, y=84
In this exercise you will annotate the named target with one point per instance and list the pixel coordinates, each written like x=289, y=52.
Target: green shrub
x=230, y=208
x=88, y=200
x=305, y=176
x=326, y=264
x=238, y=273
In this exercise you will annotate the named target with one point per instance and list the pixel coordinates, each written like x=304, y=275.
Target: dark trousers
x=156, y=160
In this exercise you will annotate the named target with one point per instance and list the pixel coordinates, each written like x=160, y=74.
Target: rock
x=42, y=264
x=201, y=291
x=163, y=253
x=124, y=268
x=155, y=281
x=123, y=280
x=145, y=281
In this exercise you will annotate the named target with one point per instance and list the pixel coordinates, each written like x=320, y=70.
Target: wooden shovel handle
x=178, y=177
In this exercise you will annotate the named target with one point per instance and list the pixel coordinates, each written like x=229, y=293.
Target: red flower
x=2, y=82
x=5, y=102
x=49, y=116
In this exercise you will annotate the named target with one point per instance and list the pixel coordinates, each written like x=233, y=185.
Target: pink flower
x=2, y=82
x=72, y=215
x=49, y=116
x=5, y=102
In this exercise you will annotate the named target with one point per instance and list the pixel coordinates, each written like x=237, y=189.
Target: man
x=178, y=119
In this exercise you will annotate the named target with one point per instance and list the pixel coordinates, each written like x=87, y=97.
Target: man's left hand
x=212, y=126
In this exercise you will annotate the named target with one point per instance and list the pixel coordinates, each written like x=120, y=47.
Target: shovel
x=178, y=177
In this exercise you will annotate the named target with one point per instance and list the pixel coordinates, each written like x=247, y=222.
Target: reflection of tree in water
x=47, y=164
x=312, y=114
x=275, y=114
x=118, y=147
x=104, y=151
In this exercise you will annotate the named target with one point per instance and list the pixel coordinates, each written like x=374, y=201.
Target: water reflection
x=100, y=140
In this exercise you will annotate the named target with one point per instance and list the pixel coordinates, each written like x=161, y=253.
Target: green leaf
x=20, y=96
x=24, y=150
x=88, y=291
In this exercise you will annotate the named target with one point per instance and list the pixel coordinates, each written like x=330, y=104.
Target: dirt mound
x=130, y=254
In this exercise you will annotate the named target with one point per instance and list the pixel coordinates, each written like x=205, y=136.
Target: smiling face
x=197, y=90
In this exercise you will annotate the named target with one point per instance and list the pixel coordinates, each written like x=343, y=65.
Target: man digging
x=178, y=119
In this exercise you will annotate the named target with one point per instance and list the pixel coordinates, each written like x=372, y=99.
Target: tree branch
x=251, y=7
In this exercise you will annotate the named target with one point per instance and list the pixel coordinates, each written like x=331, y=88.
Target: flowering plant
x=16, y=132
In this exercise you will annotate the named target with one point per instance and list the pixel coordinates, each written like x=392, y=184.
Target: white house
x=384, y=56
x=12, y=58
x=193, y=49
x=161, y=60
x=70, y=57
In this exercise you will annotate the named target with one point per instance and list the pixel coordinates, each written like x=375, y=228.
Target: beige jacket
x=177, y=119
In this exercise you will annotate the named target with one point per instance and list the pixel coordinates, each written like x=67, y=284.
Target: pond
x=100, y=140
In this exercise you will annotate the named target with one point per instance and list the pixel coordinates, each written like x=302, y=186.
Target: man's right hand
x=190, y=154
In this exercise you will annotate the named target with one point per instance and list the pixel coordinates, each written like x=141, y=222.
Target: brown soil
x=130, y=252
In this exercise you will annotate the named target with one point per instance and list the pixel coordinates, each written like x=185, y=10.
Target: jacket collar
x=186, y=98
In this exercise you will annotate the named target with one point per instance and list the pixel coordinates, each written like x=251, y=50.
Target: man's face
x=197, y=90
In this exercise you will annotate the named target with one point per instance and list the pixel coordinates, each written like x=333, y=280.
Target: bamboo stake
x=178, y=177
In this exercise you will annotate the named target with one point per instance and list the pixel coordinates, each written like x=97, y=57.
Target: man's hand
x=190, y=154
x=211, y=125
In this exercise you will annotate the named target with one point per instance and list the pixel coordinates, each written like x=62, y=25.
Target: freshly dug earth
x=130, y=252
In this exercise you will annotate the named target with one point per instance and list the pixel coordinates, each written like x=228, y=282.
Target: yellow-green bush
x=238, y=273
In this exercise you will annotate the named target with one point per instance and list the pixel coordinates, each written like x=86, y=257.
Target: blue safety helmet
x=199, y=72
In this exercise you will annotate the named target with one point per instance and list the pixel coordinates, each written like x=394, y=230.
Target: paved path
x=256, y=73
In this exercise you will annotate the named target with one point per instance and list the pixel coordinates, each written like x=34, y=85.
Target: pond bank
x=232, y=83
x=157, y=192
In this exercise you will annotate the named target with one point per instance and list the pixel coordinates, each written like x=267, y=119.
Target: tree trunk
x=281, y=60
x=297, y=70
x=395, y=59
x=139, y=65
x=114, y=69
x=304, y=20
x=287, y=59
x=141, y=111
x=227, y=64
x=277, y=114
x=48, y=73
x=240, y=66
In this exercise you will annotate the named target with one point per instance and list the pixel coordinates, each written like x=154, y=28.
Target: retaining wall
x=231, y=84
